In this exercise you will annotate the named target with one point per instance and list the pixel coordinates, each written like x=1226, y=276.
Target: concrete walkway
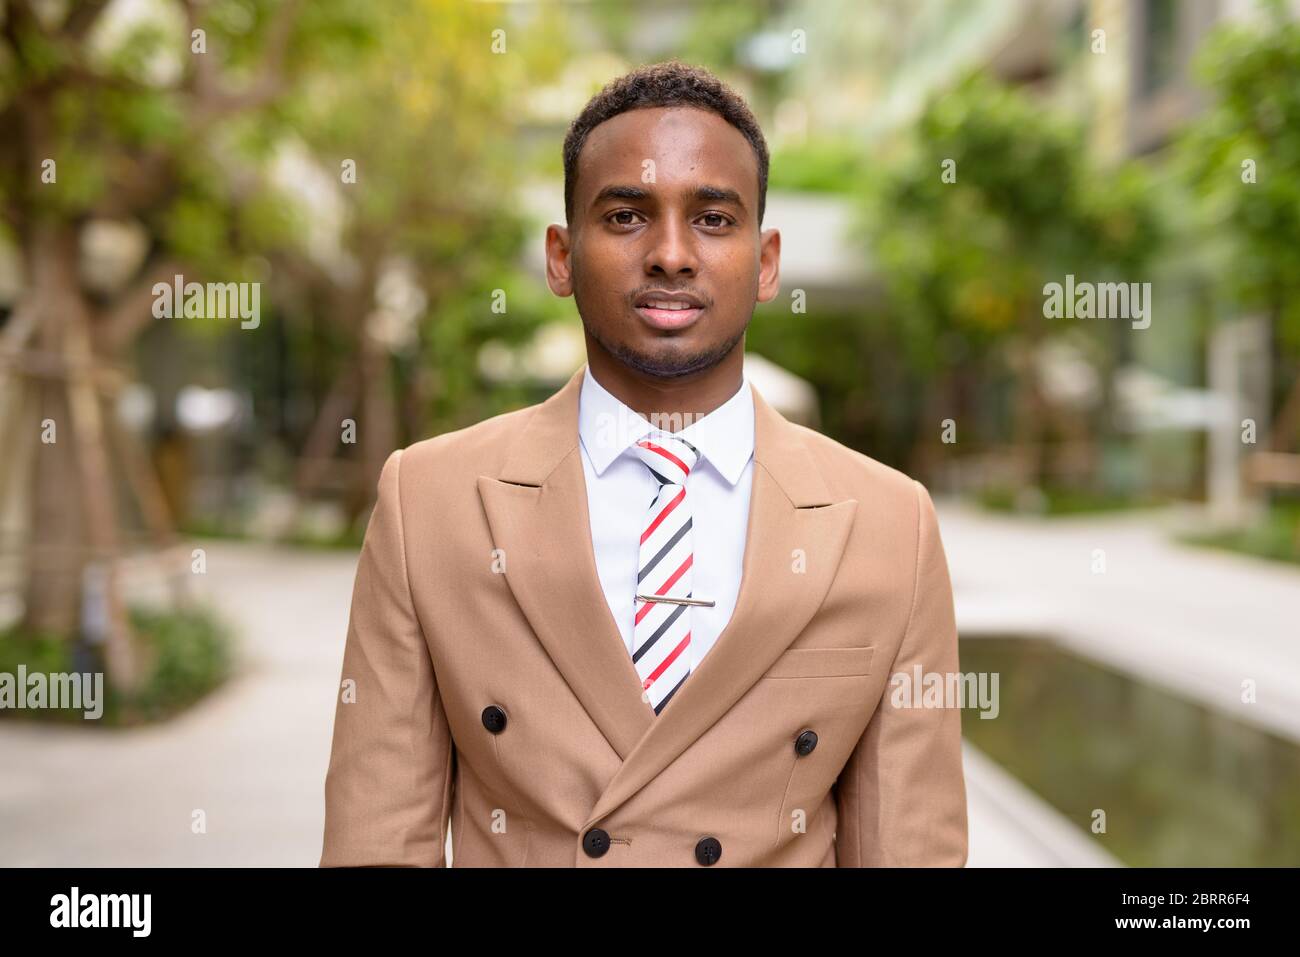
x=253, y=756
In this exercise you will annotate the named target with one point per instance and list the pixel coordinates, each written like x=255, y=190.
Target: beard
x=666, y=363
x=669, y=363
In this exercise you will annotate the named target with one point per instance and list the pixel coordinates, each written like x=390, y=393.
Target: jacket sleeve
x=388, y=787
x=901, y=797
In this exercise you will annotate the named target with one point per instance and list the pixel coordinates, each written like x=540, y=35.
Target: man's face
x=664, y=256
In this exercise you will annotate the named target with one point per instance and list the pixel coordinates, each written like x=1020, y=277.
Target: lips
x=669, y=311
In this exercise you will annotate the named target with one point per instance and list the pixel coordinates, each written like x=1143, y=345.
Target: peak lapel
x=537, y=511
x=791, y=512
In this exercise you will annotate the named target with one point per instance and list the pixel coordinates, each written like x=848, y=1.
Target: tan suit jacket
x=486, y=685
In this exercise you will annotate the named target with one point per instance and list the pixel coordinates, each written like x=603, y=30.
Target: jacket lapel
x=791, y=513
x=537, y=511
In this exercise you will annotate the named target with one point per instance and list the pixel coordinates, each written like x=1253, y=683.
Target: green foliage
x=969, y=258
x=192, y=654
x=134, y=135
x=1274, y=535
x=819, y=166
x=864, y=394
x=426, y=117
x=1060, y=501
x=1253, y=74
x=719, y=30
x=189, y=653
x=465, y=322
x=993, y=195
x=139, y=51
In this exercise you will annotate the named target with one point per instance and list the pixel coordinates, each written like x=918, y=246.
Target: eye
x=612, y=217
x=725, y=220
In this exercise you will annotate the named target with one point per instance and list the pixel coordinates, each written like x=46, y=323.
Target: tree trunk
x=1029, y=415
x=73, y=508
x=56, y=558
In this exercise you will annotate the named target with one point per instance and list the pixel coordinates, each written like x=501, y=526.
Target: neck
x=684, y=398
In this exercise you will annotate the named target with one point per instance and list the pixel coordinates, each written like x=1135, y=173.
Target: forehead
x=684, y=143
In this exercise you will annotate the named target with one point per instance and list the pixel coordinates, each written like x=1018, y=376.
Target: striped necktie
x=661, y=633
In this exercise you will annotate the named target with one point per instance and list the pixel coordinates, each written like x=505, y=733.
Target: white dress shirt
x=620, y=489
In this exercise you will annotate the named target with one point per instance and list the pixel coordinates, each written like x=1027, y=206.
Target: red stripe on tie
x=662, y=515
x=645, y=610
x=676, y=575
x=666, y=454
x=663, y=665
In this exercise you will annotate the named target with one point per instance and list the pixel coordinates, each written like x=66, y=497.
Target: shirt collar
x=725, y=437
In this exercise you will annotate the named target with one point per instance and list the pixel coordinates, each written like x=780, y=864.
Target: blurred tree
x=420, y=134
x=1244, y=159
x=995, y=199
x=145, y=118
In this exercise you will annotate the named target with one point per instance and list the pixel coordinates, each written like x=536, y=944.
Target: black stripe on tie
x=669, y=697
x=658, y=631
x=650, y=565
x=663, y=479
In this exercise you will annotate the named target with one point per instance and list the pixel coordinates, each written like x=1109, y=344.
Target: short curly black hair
x=671, y=83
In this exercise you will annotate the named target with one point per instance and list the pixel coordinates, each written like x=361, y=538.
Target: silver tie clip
x=707, y=602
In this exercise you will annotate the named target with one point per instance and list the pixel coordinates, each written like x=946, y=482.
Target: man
x=649, y=621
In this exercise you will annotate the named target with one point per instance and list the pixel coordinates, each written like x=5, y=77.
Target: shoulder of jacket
x=854, y=474
x=480, y=448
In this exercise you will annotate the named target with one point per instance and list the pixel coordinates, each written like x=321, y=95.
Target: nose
x=672, y=249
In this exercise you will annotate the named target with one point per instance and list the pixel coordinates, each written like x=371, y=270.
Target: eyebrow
x=636, y=193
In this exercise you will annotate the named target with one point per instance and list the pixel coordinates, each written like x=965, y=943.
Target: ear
x=769, y=265
x=559, y=269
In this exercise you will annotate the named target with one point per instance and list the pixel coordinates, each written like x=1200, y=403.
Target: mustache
x=668, y=291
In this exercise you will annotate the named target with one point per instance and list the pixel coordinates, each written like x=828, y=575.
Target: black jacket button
x=708, y=850
x=494, y=719
x=805, y=742
x=595, y=842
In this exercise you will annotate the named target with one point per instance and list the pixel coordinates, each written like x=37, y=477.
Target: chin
x=666, y=363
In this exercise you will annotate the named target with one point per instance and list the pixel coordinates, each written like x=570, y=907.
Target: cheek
x=735, y=286
x=602, y=265
x=592, y=278
x=733, y=268
x=603, y=250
